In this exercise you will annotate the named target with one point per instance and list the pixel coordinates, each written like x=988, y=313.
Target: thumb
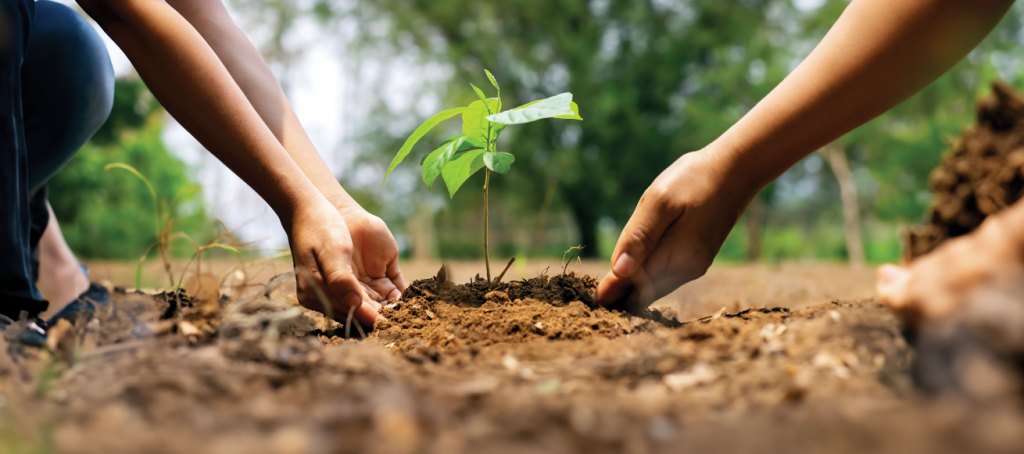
x=347, y=291
x=642, y=233
x=891, y=285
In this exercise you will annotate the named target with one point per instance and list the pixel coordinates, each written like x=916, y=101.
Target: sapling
x=461, y=156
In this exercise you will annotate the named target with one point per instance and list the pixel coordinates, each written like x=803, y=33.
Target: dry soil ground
x=796, y=358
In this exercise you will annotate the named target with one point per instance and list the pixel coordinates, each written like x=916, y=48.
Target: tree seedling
x=461, y=156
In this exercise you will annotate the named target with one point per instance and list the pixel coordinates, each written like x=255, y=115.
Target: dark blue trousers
x=56, y=90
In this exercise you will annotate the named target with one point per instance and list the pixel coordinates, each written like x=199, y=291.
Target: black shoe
x=31, y=333
x=83, y=307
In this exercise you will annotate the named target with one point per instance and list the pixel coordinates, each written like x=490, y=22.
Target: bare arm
x=193, y=85
x=375, y=251
x=878, y=53
x=250, y=71
x=188, y=79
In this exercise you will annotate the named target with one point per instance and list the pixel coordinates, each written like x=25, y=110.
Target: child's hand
x=326, y=265
x=374, y=254
x=677, y=228
x=979, y=268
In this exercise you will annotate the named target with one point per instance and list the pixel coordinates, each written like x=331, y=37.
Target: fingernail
x=890, y=274
x=353, y=301
x=624, y=265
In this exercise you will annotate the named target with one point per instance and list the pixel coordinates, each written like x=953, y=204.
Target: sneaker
x=83, y=307
x=32, y=333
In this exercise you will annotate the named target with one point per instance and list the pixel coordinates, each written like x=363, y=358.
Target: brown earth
x=983, y=173
x=767, y=359
x=530, y=366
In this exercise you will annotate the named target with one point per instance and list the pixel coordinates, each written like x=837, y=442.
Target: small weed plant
x=463, y=155
x=164, y=237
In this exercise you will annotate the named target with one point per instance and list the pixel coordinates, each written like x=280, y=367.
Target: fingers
x=639, y=238
x=613, y=289
x=347, y=291
x=395, y=274
x=891, y=286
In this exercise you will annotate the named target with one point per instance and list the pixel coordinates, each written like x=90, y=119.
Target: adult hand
x=676, y=230
x=326, y=271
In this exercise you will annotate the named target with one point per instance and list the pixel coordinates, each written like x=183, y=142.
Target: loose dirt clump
x=436, y=319
x=982, y=175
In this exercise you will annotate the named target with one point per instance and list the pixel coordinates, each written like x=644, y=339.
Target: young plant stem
x=487, y=257
x=497, y=280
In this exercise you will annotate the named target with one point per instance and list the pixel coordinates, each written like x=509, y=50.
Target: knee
x=67, y=59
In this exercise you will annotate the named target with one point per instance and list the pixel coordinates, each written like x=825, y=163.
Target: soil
x=534, y=366
x=529, y=366
x=983, y=173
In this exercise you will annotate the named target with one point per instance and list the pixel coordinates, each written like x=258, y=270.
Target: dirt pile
x=983, y=174
x=436, y=320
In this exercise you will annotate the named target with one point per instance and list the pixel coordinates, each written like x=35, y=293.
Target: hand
x=676, y=230
x=326, y=272
x=973, y=267
x=374, y=253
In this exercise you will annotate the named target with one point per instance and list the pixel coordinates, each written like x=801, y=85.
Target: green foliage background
x=659, y=78
x=655, y=79
x=110, y=214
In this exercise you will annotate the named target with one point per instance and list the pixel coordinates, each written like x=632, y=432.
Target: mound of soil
x=436, y=320
x=983, y=174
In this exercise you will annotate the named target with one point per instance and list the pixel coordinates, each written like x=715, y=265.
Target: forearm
x=188, y=79
x=250, y=71
x=877, y=54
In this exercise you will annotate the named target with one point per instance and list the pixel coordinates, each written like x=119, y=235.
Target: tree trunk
x=836, y=158
x=755, y=213
x=539, y=235
x=583, y=205
x=421, y=231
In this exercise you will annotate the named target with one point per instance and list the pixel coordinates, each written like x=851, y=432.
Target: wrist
x=735, y=171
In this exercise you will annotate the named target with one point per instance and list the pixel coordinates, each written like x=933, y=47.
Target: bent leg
x=67, y=91
x=67, y=86
x=17, y=289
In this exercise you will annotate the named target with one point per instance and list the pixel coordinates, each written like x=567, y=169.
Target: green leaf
x=437, y=159
x=490, y=77
x=474, y=122
x=499, y=161
x=224, y=247
x=423, y=129
x=483, y=99
x=575, y=113
x=460, y=168
x=121, y=165
x=545, y=108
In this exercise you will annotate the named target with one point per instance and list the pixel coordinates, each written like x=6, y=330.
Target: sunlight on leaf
x=460, y=168
x=483, y=100
x=490, y=77
x=575, y=113
x=423, y=129
x=474, y=122
x=545, y=108
x=499, y=162
x=437, y=159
